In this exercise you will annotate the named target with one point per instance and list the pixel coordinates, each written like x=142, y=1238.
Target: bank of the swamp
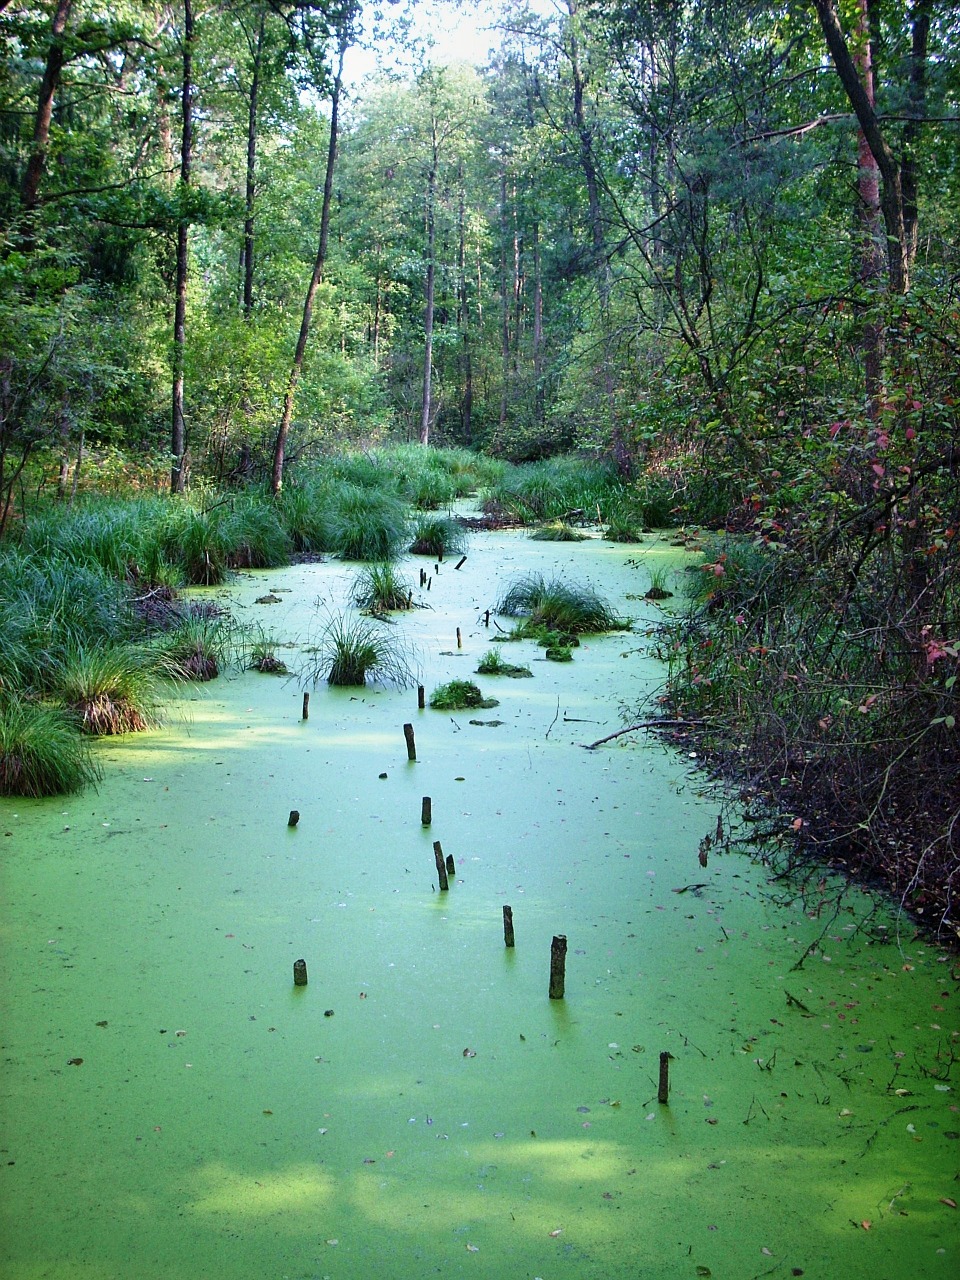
x=801, y=687
x=174, y=1105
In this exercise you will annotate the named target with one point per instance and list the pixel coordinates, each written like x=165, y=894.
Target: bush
x=557, y=531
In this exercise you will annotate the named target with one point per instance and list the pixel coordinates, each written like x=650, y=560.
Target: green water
x=421, y=1107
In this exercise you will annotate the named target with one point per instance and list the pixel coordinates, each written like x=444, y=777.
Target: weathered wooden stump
x=294, y=818
x=441, y=866
x=306, y=707
x=663, y=1088
x=421, y=697
x=299, y=973
x=426, y=811
x=411, y=741
x=508, y=926
x=558, y=964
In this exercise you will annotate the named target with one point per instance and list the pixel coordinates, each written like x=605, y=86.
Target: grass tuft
x=459, y=695
x=352, y=650
x=559, y=606
x=41, y=753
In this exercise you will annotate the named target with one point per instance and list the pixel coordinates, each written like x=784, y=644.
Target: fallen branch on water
x=644, y=724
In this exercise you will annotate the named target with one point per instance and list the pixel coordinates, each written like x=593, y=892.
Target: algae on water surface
x=174, y=1106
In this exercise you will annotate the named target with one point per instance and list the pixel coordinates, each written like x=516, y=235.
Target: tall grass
x=558, y=605
x=364, y=524
x=109, y=689
x=438, y=536
x=539, y=492
x=41, y=753
x=352, y=649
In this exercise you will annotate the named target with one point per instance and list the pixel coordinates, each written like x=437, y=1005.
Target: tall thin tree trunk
x=429, y=289
x=283, y=431
x=601, y=264
x=178, y=433
x=539, y=392
x=504, y=302
x=871, y=223
x=30, y=188
x=465, y=334
x=891, y=192
x=250, y=194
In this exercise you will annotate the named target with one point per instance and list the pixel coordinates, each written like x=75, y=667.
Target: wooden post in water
x=451, y=865
x=306, y=707
x=411, y=742
x=663, y=1089
x=426, y=811
x=461, y=562
x=299, y=973
x=421, y=697
x=441, y=865
x=294, y=818
x=429, y=583
x=508, y=926
x=459, y=639
x=486, y=618
x=558, y=964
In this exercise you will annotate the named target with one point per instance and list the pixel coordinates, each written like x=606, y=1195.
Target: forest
x=685, y=265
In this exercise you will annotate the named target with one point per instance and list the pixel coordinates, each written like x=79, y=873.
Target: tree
x=178, y=444
x=345, y=37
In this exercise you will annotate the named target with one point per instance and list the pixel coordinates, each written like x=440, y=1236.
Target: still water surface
x=174, y=1108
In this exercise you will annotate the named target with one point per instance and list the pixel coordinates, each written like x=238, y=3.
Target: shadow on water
x=174, y=1106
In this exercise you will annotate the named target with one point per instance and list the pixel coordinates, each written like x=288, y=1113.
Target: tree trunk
x=504, y=301
x=465, y=334
x=891, y=196
x=539, y=396
x=871, y=223
x=601, y=263
x=279, y=451
x=429, y=289
x=251, y=180
x=916, y=108
x=178, y=433
x=30, y=188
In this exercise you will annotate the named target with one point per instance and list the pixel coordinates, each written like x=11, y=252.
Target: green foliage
x=262, y=654
x=558, y=605
x=195, y=648
x=493, y=664
x=459, y=695
x=255, y=536
x=41, y=753
x=364, y=524
x=438, y=536
x=352, y=650
x=110, y=690
x=557, y=531
x=554, y=490
x=48, y=610
x=381, y=588
x=198, y=541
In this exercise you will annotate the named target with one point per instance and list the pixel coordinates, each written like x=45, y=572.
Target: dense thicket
x=713, y=241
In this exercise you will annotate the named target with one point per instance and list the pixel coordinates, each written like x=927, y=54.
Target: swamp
x=479, y=640
x=421, y=1106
